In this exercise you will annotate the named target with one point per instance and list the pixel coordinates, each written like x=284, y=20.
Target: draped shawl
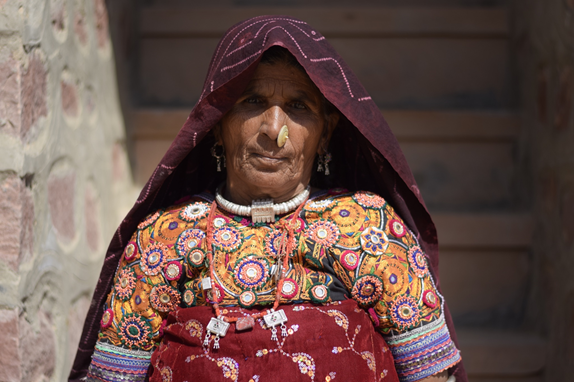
x=366, y=155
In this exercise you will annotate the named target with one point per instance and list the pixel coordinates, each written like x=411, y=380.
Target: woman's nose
x=274, y=119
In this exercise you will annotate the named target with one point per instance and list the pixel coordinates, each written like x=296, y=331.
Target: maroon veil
x=366, y=155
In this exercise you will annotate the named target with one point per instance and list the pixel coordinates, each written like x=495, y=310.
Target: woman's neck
x=243, y=196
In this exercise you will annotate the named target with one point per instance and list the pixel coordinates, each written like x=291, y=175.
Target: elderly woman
x=252, y=266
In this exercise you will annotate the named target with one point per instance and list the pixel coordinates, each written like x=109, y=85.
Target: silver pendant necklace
x=261, y=210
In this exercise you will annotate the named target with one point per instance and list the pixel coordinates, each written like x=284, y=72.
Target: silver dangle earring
x=320, y=163
x=326, y=161
x=218, y=157
x=323, y=163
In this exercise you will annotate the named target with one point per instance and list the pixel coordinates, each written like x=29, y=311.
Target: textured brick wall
x=65, y=181
x=544, y=42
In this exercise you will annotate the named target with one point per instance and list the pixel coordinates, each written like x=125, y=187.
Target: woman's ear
x=330, y=123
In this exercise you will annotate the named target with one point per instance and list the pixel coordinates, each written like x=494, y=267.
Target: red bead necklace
x=219, y=324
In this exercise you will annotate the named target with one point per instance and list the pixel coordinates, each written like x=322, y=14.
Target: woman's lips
x=268, y=157
x=268, y=160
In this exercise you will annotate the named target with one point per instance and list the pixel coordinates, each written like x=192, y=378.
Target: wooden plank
x=417, y=125
x=333, y=21
x=495, y=353
x=494, y=294
x=503, y=230
x=465, y=175
x=398, y=73
x=419, y=73
x=408, y=125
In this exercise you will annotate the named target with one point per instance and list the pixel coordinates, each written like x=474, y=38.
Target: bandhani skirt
x=333, y=342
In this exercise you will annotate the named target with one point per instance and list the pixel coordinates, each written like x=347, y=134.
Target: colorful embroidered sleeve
x=145, y=290
x=384, y=268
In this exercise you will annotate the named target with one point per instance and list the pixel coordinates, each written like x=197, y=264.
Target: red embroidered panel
x=324, y=342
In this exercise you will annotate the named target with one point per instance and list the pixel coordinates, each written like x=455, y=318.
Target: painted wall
x=65, y=180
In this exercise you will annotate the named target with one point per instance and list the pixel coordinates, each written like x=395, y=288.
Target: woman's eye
x=299, y=105
x=252, y=100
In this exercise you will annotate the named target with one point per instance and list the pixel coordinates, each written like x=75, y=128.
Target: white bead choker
x=261, y=210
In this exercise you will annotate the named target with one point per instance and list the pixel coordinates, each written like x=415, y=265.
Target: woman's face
x=257, y=167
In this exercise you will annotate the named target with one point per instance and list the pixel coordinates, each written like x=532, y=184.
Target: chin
x=270, y=180
x=272, y=183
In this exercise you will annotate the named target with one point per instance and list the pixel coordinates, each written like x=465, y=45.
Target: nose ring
x=283, y=136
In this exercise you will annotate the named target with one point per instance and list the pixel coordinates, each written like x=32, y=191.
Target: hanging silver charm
x=273, y=319
x=274, y=334
x=216, y=342
x=218, y=327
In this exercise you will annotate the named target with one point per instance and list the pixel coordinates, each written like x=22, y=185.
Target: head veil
x=366, y=155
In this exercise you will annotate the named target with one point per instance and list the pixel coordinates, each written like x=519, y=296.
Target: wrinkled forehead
x=270, y=78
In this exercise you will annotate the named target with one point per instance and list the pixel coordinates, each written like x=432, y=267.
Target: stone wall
x=65, y=181
x=544, y=40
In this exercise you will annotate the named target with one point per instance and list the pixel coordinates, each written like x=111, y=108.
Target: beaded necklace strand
x=219, y=324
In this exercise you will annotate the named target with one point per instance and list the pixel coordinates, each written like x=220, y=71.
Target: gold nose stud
x=283, y=136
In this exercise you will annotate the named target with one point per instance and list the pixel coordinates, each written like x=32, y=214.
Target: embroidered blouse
x=349, y=245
